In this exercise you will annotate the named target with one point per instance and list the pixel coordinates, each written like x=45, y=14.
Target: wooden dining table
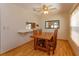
x=45, y=36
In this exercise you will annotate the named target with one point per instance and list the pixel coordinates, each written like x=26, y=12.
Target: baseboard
x=62, y=39
x=72, y=48
x=22, y=45
x=15, y=47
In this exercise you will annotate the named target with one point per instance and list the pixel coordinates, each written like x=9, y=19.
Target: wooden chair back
x=55, y=36
x=53, y=41
x=39, y=31
x=34, y=32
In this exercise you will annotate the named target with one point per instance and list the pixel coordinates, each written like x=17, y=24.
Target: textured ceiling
x=60, y=7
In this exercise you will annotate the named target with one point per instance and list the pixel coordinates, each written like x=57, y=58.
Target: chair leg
x=49, y=54
x=53, y=50
x=48, y=50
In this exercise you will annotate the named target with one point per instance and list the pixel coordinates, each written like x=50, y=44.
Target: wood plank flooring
x=63, y=49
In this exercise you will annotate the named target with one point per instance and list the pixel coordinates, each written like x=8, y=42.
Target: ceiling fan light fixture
x=45, y=12
x=44, y=9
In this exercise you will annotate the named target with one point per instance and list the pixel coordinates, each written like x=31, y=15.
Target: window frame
x=52, y=21
x=32, y=24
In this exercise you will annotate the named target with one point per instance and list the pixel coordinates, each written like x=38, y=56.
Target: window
x=30, y=25
x=52, y=24
x=74, y=25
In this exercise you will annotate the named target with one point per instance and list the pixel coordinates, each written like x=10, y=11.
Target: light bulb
x=45, y=12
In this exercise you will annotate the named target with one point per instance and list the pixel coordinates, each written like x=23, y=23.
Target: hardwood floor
x=63, y=49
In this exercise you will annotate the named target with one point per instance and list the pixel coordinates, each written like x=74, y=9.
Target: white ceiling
x=60, y=7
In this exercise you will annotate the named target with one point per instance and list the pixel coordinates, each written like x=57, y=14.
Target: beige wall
x=13, y=19
x=74, y=32
x=0, y=29
x=63, y=32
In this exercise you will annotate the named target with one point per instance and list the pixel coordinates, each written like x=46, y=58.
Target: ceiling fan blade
x=52, y=8
x=49, y=6
x=36, y=9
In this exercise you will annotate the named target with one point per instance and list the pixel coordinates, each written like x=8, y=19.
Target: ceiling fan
x=45, y=9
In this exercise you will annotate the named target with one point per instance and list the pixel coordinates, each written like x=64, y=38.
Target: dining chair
x=40, y=42
x=37, y=31
x=34, y=32
x=53, y=42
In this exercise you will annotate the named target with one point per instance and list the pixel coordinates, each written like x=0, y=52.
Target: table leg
x=35, y=43
x=47, y=48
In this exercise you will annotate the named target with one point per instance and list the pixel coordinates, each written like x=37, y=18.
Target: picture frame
x=52, y=24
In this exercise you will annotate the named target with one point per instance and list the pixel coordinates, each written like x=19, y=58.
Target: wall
x=0, y=29
x=64, y=24
x=74, y=41
x=13, y=19
x=74, y=31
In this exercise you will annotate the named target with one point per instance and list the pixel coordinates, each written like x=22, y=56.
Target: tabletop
x=43, y=35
